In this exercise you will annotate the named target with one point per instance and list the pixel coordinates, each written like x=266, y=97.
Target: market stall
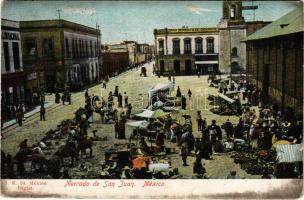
x=157, y=91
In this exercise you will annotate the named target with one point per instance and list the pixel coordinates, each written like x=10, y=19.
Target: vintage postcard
x=152, y=99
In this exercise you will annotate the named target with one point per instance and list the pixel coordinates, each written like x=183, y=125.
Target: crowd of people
x=256, y=129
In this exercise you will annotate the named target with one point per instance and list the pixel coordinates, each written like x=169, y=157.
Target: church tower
x=232, y=30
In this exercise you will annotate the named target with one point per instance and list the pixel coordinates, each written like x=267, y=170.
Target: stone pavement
x=137, y=90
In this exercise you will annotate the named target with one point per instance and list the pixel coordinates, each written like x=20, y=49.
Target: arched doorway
x=188, y=67
x=235, y=68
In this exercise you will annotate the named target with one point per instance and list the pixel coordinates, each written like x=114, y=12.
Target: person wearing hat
x=228, y=127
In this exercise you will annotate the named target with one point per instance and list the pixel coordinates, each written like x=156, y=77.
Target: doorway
x=176, y=66
x=188, y=67
x=161, y=67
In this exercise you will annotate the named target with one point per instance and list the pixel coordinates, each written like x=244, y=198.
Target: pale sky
x=135, y=20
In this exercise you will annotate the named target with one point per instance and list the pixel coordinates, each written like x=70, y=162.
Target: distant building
x=12, y=74
x=275, y=61
x=143, y=53
x=65, y=53
x=187, y=50
x=115, y=59
x=132, y=49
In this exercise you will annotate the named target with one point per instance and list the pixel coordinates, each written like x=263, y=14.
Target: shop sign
x=10, y=36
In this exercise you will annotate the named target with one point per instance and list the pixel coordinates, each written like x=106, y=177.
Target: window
x=232, y=12
x=210, y=45
x=95, y=47
x=234, y=52
x=161, y=47
x=87, y=50
x=16, y=55
x=198, y=45
x=187, y=46
x=80, y=48
x=176, y=47
x=67, y=49
x=91, y=49
x=76, y=49
x=176, y=66
x=6, y=57
x=73, y=49
x=30, y=46
x=48, y=48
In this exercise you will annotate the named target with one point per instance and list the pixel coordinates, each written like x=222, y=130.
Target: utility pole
x=58, y=10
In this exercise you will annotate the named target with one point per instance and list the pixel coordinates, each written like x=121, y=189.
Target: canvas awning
x=145, y=114
x=160, y=87
x=139, y=124
x=289, y=153
x=226, y=98
x=206, y=62
x=151, y=114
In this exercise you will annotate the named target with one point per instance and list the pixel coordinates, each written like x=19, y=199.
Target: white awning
x=146, y=114
x=288, y=153
x=207, y=62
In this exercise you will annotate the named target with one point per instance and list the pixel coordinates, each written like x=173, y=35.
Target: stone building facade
x=115, y=59
x=65, y=52
x=275, y=61
x=186, y=50
x=12, y=74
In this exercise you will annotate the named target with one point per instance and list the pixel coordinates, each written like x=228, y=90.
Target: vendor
x=143, y=146
x=160, y=138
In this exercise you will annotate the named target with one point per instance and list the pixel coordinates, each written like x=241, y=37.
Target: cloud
x=81, y=11
x=199, y=10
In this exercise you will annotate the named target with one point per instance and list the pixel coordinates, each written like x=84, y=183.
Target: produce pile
x=257, y=162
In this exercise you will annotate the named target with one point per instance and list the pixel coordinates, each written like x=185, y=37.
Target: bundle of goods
x=256, y=163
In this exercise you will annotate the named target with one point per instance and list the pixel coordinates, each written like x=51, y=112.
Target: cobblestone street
x=137, y=89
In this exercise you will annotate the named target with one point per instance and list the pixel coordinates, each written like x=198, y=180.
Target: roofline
x=275, y=36
x=64, y=24
x=9, y=20
x=185, y=30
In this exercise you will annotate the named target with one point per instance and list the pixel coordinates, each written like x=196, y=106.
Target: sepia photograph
x=151, y=98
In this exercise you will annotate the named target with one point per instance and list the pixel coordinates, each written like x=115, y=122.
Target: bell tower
x=232, y=11
x=232, y=30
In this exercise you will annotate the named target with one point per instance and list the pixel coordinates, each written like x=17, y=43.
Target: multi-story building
x=115, y=59
x=275, y=61
x=12, y=74
x=132, y=49
x=187, y=50
x=142, y=53
x=66, y=53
